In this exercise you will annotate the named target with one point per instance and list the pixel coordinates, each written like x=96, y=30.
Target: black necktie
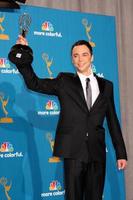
x=88, y=93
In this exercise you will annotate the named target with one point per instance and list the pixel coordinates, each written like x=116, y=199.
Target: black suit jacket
x=75, y=119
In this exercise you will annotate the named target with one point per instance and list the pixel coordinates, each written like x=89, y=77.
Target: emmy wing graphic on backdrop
x=2, y=35
x=51, y=142
x=48, y=62
x=19, y=53
x=3, y=182
x=88, y=29
x=4, y=103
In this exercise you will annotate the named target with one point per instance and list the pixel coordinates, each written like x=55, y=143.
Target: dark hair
x=82, y=42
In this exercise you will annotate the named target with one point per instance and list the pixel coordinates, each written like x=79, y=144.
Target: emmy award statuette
x=20, y=54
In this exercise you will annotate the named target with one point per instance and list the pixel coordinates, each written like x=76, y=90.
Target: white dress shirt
x=93, y=83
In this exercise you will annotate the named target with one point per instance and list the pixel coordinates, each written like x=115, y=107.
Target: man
x=85, y=101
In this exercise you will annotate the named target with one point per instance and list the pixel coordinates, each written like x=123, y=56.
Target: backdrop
x=28, y=120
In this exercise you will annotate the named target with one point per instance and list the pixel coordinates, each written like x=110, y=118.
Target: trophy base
x=20, y=54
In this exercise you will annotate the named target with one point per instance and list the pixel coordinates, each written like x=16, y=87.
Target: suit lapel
x=78, y=87
x=80, y=93
x=76, y=92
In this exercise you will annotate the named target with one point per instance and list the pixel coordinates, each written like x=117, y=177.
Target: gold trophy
x=51, y=142
x=2, y=35
x=3, y=182
x=48, y=62
x=4, y=103
x=88, y=29
x=21, y=54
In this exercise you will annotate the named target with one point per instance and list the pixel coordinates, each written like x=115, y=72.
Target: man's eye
x=75, y=56
x=85, y=54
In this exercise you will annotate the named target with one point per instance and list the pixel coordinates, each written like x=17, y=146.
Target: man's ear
x=92, y=58
x=72, y=61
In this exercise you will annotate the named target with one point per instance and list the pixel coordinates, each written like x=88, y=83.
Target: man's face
x=81, y=58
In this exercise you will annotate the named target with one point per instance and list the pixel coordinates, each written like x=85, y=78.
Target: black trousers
x=83, y=181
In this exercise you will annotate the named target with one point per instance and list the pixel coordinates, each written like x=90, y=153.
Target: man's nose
x=80, y=58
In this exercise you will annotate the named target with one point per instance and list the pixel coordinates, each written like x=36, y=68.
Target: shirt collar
x=83, y=77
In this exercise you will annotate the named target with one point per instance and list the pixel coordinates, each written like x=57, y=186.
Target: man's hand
x=121, y=164
x=21, y=40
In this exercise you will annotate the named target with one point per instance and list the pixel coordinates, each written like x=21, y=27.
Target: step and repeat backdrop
x=28, y=120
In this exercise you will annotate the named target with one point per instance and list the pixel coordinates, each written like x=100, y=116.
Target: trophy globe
x=21, y=54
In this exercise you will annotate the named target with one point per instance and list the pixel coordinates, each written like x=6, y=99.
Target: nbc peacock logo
x=7, y=151
x=55, y=185
x=51, y=105
x=55, y=189
x=6, y=147
x=5, y=67
x=47, y=26
x=4, y=63
x=48, y=30
x=50, y=108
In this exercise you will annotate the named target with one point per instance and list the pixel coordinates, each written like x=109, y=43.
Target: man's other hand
x=121, y=164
